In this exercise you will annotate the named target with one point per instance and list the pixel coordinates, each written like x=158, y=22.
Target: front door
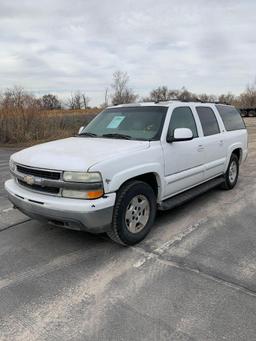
x=184, y=160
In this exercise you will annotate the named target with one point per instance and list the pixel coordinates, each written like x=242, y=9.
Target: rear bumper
x=90, y=215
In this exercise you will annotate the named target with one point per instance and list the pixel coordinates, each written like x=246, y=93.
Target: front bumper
x=89, y=215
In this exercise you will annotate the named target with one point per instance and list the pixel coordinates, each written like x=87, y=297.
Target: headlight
x=82, y=177
x=12, y=165
x=81, y=194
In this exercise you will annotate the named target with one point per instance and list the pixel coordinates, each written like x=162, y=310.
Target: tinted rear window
x=231, y=117
x=208, y=121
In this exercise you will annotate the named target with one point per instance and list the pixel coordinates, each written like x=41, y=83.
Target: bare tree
x=121, y=92
x=70, y=102
x=106, y=99
x=206, y=98
x=75, y=101
x=17, y=98
x=186, y=95
x=78, y=101
x=14, y=97
x=1, y=98
x=228, y=98
x=85, y=100
x=51, y=102
x=248, y=98
x=161, y=93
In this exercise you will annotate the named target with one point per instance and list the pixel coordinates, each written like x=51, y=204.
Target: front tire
x=134, y=213
x=232, y=173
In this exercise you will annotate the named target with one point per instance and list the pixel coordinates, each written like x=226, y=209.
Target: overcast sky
x=63, y=45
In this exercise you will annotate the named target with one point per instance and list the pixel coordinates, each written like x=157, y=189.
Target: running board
x=181, y=198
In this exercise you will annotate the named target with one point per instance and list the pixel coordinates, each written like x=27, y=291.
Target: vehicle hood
x=76, y=153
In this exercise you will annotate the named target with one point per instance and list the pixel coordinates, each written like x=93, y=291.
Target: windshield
x=136, y=123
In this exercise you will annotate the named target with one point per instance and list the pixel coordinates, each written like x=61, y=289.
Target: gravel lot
x=193, y=278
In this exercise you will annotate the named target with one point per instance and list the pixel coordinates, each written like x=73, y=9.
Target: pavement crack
x=179, y=237
x=195, y=270
x=14, y=225
x=208, y=275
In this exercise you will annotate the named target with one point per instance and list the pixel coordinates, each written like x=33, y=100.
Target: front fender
x=126, y=166
x=119, y=178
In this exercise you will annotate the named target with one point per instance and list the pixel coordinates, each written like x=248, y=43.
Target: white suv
x=128, y=162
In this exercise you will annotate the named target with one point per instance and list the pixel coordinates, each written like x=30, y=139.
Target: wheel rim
x=232, y=172
x=137, y=213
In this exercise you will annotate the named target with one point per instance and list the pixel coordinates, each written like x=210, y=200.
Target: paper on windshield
x=115, y=122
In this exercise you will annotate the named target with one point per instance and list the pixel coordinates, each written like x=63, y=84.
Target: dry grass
x=89, y=111
x=31, y=125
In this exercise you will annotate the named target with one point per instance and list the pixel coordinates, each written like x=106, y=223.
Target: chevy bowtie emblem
x=30, y=180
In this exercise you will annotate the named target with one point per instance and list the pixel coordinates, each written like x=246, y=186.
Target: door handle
x=221, y=142
x=200, y=148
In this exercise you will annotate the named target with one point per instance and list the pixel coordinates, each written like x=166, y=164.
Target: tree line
x=19, y=98
x=124, y=94
x=120, y=92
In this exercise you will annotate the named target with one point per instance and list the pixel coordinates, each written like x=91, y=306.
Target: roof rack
x=218, y=102
x=196, y=100
x=180, y=100
x=127, y=104
x=168, y=100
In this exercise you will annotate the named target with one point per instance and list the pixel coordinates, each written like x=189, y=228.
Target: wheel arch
x=239, y=153
x=152, y=178
x=237, y=150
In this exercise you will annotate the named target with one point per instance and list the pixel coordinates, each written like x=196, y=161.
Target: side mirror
x=181, y=134
x=80, y=130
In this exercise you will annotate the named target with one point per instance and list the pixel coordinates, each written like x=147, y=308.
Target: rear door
x=213, y=142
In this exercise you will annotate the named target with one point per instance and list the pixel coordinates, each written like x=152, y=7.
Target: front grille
x=46, y=189
x=39, y=172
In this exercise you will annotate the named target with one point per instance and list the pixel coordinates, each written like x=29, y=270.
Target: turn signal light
x=95, y=194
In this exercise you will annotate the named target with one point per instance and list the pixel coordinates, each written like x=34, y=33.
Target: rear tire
x=232, y=173
x=134, y=213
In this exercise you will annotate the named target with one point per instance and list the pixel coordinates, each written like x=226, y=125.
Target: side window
x=231, y=117
x=182, y=117
x=208, y=120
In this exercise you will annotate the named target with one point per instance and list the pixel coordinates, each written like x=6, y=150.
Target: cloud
x=61, y=46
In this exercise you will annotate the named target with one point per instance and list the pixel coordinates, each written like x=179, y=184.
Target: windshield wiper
x=118, y=136
x=86, y=133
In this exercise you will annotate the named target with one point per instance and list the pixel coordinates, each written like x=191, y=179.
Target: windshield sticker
x=116, y=121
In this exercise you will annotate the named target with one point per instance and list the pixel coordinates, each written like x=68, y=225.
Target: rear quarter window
x=231, y=117
x=208, y=121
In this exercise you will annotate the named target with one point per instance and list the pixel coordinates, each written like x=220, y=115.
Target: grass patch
x=27, y=126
